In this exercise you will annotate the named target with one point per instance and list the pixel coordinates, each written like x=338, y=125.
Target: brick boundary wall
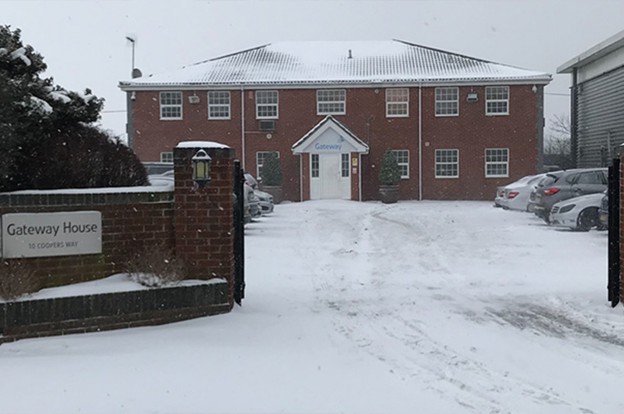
x=197, y=224
x=131, y=222
x=107, y=311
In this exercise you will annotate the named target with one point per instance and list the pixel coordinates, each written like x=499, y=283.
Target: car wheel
x=587, y=219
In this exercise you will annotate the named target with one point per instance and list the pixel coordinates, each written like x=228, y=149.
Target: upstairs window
x=497, y=162
x=331, y=102
x=219, y=105
x=171, y=105
x=402, y=157
x=397, y=102
x=267, y=105
x=447, y=101
x=497, y=100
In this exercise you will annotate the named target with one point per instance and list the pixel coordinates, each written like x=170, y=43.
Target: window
x=447, y=101
x=266, y=104
x=331, y=101
x=402, y=157
x=171, y=105
x=260, y=157
x=497, y=100
x=218, y=105
x=166, y=157
x=345, y=165
x=314, y=165
x=447, y=163
x=497, y=162
x=397, y=103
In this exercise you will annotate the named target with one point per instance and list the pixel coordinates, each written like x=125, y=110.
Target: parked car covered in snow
x=265, y=199
x=515, y=196
x=569, y=184
x=578, y=213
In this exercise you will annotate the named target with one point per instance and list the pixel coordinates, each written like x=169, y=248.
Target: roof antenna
x=350, y=56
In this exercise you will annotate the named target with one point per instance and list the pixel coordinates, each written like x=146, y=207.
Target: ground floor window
x=260, y=157
x=314, y=165
x=497, y=162
x=447, y=163
x=402, y=157
x=166, y=157
x=345, y=165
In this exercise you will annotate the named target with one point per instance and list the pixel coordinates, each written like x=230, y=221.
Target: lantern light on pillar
x=201, y=168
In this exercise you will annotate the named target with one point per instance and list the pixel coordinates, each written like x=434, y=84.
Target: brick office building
x=459, y=126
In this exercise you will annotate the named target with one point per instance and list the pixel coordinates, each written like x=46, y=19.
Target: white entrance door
x=332, y=180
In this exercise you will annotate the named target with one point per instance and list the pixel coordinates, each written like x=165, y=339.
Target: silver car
x=565, y=185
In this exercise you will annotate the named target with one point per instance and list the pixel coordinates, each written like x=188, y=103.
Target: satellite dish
x=136, y=73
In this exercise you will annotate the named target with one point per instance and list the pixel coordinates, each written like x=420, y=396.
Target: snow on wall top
x=321, y=62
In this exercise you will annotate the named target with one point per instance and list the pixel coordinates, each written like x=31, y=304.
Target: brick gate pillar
x=203, y=217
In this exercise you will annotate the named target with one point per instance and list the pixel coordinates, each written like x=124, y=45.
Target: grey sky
x=84, y=41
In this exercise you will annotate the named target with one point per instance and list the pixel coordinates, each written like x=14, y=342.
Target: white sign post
x=51, y=234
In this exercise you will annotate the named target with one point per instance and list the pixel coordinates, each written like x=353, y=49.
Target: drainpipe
x=360, y=175
x=130, y=97
x=420, y=166
x=242, y=94
x=301, y=177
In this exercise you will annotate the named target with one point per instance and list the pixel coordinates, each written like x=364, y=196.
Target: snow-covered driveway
x=432, y=307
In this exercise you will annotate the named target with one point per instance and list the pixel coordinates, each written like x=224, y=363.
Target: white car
x=515, y=196
x=579, y=213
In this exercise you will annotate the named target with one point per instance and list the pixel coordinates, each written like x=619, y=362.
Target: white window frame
x=456, y=163
x=504, y=162
x=217, y=101
x=397, y=103
x=331, y=102
x=166, y=157
x=260, y=160
x=267, y=100
x=496, y=96
x=345, y=165
x=315, y=166
x=165, y=100
x=403, y=162
x=447, y=101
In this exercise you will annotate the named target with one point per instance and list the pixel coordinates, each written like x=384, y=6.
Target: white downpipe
x=360, y=175
x=242, y=92
x=420, y=166
x=300, y=177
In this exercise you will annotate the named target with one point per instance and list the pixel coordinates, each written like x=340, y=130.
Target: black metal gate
x=239, y=234
x=614, y=233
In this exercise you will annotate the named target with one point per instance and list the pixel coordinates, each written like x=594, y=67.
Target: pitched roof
x=603, y=48
x=329, y=122
x=345, y=62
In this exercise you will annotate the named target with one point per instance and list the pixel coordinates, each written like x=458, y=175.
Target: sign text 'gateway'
x=51, y=234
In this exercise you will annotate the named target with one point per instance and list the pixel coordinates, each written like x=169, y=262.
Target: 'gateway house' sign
x=51, y=234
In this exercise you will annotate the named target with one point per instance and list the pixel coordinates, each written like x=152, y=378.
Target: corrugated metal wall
x=600, y=119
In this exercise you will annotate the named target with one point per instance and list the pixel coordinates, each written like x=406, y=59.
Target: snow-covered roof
x=344, y=62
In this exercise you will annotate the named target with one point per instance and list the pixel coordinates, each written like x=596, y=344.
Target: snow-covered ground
x=417, y=307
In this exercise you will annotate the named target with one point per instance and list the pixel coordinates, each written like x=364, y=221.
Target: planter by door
x=275, y=191
x=389, y=194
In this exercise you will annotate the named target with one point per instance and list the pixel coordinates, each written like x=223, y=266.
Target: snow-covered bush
x=46, y=129
x=155, y=266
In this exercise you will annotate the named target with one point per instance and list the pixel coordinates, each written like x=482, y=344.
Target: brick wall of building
x=470, y=132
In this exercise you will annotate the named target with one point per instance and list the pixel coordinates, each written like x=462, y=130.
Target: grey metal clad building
x=597, y=99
